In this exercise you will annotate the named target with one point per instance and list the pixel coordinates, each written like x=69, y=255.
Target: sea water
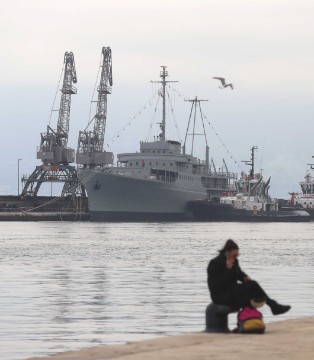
x=69, y=285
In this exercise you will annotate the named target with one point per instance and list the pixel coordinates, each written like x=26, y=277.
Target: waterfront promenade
x=283, y=340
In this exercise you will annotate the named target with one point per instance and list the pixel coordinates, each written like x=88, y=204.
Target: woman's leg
x=258, y=295
x=240, y=295
x=237, y=296
x=256, y=291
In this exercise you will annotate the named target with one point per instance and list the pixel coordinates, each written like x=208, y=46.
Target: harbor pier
x=43, y=208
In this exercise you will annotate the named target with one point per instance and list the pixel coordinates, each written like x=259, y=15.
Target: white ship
x=305, y=200
x=155, y=183
x=251, y=191
x=250, y=202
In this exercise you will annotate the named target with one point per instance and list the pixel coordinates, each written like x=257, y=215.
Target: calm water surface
x=70, y=285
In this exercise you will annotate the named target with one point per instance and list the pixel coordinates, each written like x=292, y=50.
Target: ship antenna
x=164, y=82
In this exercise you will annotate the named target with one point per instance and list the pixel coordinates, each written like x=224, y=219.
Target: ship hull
x=210, y=211
x=114, y=197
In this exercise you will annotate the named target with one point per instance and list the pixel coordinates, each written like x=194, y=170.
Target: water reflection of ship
x=157, y=182
x=250, y=202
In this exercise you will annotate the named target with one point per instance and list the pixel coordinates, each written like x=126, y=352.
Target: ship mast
x=164, y=82
x=196, y=103
x=251, y=162
x=311, y=165
x=163, y=75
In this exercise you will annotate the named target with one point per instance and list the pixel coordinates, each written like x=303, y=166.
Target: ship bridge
x=159, y=150
x=183, y=162
x=161, y=147
x=307, y=185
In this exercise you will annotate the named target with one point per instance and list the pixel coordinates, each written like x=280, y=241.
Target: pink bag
x=249, y=313
x=250, y=321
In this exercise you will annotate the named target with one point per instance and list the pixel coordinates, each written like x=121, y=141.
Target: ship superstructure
x=305, y=199
x=155, y=183
x=251, y=191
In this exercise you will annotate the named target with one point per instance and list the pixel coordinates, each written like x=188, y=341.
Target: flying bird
x=223, y=82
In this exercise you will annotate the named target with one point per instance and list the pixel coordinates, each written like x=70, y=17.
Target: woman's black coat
x=222, y=282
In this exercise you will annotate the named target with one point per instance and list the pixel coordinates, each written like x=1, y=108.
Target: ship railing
x=117, y=171
x=167, y=175
x=123, y=171
x=164, y=176
x=204, y=172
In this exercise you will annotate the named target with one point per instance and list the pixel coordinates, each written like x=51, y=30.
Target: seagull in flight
x=223, y=83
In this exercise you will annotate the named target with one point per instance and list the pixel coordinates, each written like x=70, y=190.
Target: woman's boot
x=277, y=309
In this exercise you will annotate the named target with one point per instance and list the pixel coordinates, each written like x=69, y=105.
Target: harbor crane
x=90, y=150
x=53, y=151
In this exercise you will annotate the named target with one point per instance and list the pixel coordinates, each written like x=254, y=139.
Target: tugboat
x=250, y=202
x=304, y=200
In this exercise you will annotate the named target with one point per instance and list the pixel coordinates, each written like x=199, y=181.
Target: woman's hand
x=230, y=262
x=231, y=257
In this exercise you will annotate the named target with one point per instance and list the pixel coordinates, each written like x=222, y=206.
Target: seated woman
x=229, y=285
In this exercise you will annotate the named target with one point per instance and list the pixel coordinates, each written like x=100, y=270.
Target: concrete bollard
x=217, y=318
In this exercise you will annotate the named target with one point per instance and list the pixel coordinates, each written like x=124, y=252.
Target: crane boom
x=53, y=146
x=104, y=88
x=67, y=90
x=90, y=150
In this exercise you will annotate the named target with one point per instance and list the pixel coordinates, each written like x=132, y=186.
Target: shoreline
x=44, y=216
x=288, y=339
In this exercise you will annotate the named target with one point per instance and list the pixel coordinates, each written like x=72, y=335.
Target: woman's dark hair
x=229, y=245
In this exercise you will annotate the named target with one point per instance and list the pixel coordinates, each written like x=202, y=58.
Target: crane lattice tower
x=53, y=151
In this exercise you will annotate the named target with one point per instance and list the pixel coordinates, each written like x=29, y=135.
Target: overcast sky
x=265, y=48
